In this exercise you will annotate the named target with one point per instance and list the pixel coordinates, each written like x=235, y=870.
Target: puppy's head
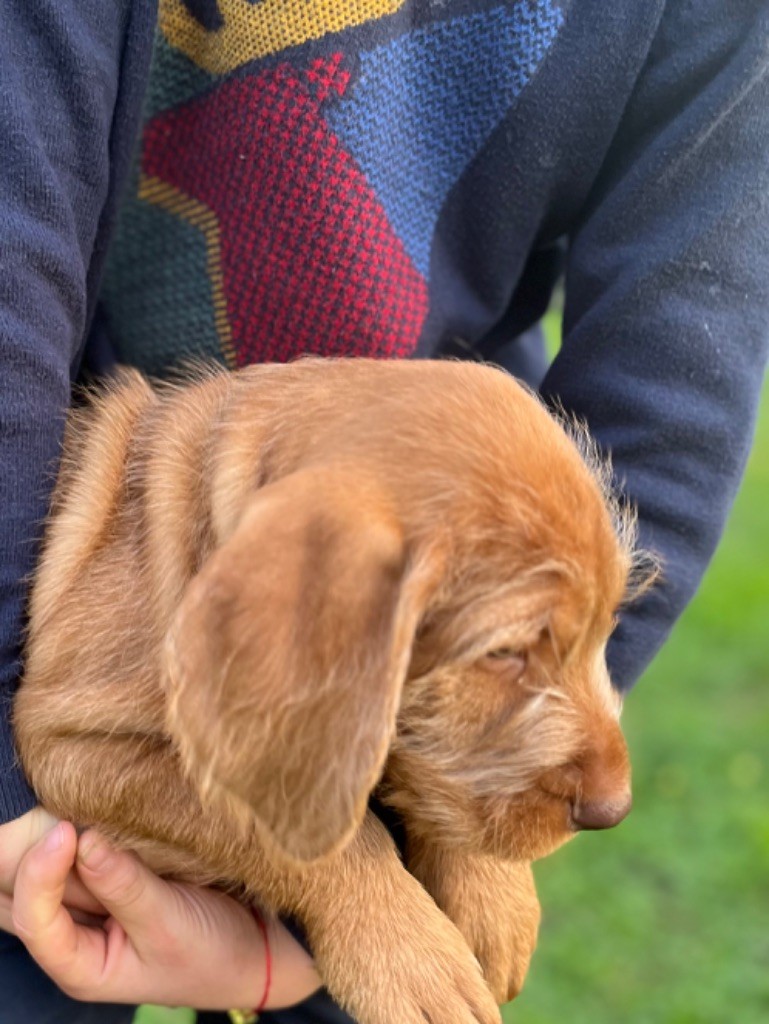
x=423, y=586
x=508, y=737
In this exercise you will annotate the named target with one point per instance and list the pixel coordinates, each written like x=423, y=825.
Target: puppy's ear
x=287, y=656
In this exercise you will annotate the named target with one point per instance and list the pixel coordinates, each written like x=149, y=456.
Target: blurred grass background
x=666, y=919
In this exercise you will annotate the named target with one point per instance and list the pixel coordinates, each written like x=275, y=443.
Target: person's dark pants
x=28, y=996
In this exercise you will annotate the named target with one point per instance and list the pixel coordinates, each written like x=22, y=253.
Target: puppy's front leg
x=493, y=903
x=383, y=948
x=388, y=954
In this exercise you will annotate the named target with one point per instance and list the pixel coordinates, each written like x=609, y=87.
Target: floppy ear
x=287, y=656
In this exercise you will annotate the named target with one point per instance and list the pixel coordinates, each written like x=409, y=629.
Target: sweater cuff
x=16, y=797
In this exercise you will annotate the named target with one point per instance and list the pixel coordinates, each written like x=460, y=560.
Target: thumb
x=126, y=888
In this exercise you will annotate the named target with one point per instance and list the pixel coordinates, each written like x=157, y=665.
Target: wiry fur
x=265, y=595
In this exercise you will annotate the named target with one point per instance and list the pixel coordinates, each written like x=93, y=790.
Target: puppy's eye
x=506, y=661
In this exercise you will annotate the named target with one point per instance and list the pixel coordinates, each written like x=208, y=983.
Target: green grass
x=666, y=919
x=159, y=1015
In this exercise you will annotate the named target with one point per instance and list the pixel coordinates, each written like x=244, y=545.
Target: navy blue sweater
x=403, y=178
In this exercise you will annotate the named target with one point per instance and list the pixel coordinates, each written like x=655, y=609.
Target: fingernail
x=54, y=839
x=95, y=854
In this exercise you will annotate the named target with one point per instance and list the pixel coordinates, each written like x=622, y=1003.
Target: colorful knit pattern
x=285, y=196
x=221, y=35
x=295, y=160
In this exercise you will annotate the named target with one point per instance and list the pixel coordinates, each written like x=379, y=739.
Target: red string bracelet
x=267, y=960
x=250, y=1016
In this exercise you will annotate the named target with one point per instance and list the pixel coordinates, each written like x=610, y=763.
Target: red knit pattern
x=309, y=260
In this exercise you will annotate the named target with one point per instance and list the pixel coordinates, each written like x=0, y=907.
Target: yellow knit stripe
x=174, y=201
x=255, y=30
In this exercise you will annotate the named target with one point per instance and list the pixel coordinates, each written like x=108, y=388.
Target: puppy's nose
x=595, y=814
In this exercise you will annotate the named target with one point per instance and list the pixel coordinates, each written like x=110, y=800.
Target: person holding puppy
x=384, y=178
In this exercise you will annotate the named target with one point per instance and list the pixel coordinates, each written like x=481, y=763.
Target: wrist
x=251, y=1015
x=262, y=925
x=292, y=975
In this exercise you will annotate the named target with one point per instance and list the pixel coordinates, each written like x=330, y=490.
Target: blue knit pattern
x=424, y=105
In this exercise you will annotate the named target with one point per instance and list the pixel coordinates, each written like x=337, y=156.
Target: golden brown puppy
x=265, y=594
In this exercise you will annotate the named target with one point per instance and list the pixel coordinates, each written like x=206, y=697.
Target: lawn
x=666, y=919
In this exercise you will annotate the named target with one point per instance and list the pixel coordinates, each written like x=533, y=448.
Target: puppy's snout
x=595, y=814
x=602, y=797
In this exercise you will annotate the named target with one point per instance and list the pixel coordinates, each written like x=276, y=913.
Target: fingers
x=121, y=884
x=19, y=836
x=79, y=901
x=15, y=841
x=16, y=837
x=63, y=949
x=44, y=869
x=80, y=916
x=6, y=913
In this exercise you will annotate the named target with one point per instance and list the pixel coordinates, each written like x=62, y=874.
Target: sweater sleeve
x=65, y=117
x=666, y=322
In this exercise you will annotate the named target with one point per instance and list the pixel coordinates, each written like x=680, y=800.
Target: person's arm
x=71, y=75
x=666, y=322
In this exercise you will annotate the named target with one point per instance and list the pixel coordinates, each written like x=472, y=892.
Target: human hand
x=165, y=942
x=19, y=836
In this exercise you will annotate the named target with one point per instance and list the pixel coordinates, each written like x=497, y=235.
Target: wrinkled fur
x=266, y=595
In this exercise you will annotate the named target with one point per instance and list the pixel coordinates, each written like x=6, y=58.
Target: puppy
x=265, y=596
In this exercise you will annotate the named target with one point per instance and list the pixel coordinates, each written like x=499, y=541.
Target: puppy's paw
x=404, y=962
x=503, y=937
x=494, y=905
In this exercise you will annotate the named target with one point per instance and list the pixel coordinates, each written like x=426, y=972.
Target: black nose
x=595, y=814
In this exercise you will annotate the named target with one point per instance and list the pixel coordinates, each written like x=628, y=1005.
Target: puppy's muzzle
x=596, y=814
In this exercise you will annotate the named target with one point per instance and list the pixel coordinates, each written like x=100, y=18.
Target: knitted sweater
x=394, y=178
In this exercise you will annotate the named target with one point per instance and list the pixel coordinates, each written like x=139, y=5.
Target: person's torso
x=362, y=177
